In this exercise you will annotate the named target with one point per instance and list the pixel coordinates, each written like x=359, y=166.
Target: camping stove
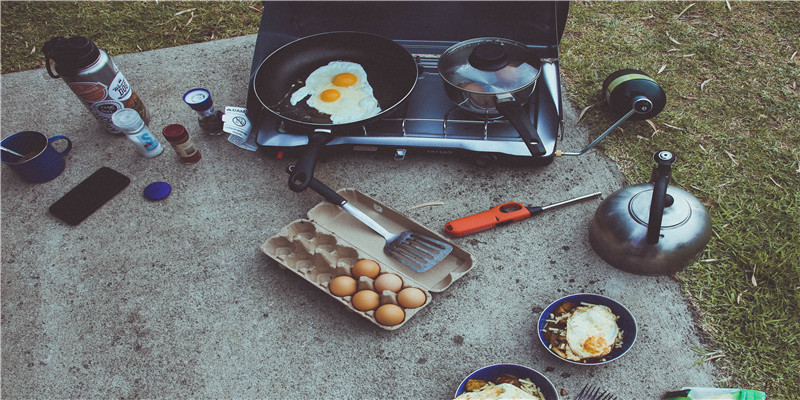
x=428, y=120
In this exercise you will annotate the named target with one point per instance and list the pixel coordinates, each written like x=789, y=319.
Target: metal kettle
x=651, y=228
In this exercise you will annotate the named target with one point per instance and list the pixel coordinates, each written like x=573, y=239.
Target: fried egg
x=592, y=331
x=341, y=90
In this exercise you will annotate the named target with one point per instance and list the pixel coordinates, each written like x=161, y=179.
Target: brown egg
x=411, y=297
x=388, y=282
x=390, y=315
x=368, y=268
x=342, y=286
x=365, y=300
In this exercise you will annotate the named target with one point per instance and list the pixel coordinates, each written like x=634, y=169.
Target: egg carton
x=331, y=241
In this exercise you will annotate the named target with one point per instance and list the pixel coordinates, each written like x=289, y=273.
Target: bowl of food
x=587, y=329
x=510, y=381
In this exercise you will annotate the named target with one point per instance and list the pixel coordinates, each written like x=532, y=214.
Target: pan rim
x=320, y=125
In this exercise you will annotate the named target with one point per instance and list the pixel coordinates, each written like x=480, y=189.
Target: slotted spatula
x=415, y=251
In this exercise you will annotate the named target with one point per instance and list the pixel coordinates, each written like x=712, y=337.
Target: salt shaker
x=131, y=124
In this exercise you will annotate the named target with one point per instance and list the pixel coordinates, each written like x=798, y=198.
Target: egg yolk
x=330, y=95
x=345, y=79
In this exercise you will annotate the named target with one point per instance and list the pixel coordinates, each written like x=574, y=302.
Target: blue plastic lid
x=157, y=191
x=198, y=99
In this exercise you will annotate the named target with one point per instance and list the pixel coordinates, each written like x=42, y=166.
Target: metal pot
x=652, y=228
x=493, y=77
x=391, y=71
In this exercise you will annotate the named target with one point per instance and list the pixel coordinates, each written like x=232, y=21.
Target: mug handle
x=61, y=137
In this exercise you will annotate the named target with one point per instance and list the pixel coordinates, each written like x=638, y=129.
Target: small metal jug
x=651, y=228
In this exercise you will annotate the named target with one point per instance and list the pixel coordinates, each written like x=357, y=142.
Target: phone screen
x=88, y=196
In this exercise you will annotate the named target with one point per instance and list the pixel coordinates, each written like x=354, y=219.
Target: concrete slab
x=173, y=299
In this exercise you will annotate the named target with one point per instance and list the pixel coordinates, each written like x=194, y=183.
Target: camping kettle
x=651, y=228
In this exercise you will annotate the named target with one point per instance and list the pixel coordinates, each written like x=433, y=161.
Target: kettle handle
x=660, y=179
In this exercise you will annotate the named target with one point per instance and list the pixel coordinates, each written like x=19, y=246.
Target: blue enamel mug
x=40, y=161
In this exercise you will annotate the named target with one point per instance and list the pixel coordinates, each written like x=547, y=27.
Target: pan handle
x=301, y=177
x=512, y=109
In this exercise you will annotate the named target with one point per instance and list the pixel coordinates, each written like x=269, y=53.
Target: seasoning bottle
x=210, y=120
x=178, y=137
x=131, y=124
x=93, y=77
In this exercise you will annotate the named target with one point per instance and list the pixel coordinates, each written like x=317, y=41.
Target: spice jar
x=210, y=120
x=178, y=137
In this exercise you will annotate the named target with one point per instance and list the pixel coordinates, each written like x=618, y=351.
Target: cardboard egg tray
x=331, y=241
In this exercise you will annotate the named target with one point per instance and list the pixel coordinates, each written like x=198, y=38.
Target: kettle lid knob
x=664, y=158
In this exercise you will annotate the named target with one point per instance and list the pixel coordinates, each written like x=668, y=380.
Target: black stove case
x=429, y=120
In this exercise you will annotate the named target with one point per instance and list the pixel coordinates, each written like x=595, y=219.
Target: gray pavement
x=174, y=299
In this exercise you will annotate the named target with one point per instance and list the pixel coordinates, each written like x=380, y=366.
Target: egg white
x=356, y=102
x=592, y=331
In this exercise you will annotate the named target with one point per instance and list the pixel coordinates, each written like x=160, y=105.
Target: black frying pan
x=391, y=71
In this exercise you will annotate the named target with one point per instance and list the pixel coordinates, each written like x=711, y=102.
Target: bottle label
x=148, y=141
x=89, y=92
x=119, y=89
x=103, y=110
x=206, y=113
x=185, y=149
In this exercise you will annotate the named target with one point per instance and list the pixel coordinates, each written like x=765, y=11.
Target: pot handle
x=300, y=178
x=660, y=179
x=512, y=109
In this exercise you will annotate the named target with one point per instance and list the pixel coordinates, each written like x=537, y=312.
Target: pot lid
x=675, y=214
x=489, y=65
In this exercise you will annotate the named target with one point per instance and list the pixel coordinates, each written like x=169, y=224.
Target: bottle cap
x=71, y=55
x=127, y=120
x=198, y=99
x=157, y=191
x=174, y=132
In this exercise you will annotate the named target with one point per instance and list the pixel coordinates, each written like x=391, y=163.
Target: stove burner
x=430, y=120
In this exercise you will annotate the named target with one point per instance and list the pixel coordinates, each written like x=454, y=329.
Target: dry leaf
x=584, y=112
x=792, y=57
x=731, y=157
x=258, y=10
x=663, y=67
x=185, y=11
x=703, y=85
x=671, y=39
x=684, y=10
x=714, y=357
x=753, y=279
x=33, y=50
x=739, y=298
x=727, y=5
x=776, y=183
x=652, y=125
x=673, y=126
x=434, y=203
x=688, y=55
x=190, y=20
x=709, y=260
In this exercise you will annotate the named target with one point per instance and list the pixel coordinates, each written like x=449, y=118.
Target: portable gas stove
x=428, y=120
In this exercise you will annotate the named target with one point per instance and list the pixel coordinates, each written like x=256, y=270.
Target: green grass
x=732, y=117
x=119, y=27
x=731, y=74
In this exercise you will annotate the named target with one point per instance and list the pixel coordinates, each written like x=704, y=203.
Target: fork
x=590, y=392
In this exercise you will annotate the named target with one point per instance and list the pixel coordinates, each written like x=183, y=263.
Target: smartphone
x=88, y=196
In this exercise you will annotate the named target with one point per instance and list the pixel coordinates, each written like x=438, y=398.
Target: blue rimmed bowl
x=626, y=323
x=490, y=372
